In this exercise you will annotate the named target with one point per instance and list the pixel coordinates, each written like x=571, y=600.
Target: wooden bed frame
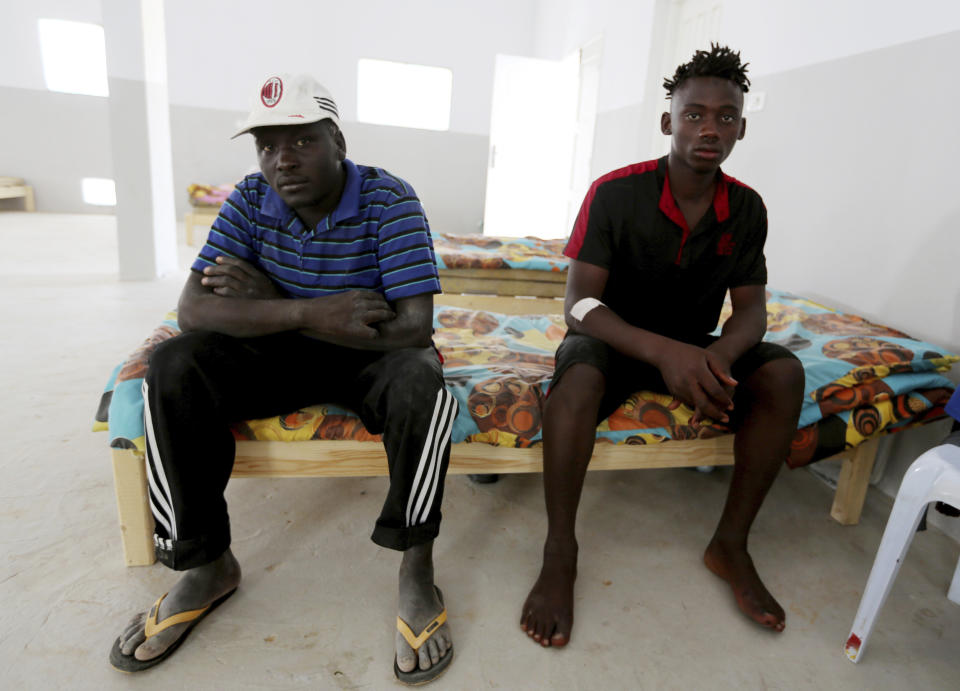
x=15, y=188
x=363, y=459
x=506, y=283
x=197, y=223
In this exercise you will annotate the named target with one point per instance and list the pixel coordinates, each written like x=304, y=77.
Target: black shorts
x=625, y=375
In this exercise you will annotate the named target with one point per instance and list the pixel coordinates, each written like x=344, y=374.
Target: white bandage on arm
x=582, y=307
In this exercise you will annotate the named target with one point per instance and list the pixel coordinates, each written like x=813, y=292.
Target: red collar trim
x=721, y=201
x=669, y=206
x=721, y=197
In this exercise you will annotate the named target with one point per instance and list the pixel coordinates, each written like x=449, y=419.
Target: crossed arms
x=235, y=298
x=700, y=377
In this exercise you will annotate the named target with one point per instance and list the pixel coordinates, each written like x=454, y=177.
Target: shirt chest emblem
x=725, y=245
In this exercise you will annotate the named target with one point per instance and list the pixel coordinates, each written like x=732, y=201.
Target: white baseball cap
x=290, y=99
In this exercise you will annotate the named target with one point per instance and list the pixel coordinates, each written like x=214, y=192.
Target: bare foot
x=419, y=604
x=547, y=615
x=197, y=588
x=735, y=566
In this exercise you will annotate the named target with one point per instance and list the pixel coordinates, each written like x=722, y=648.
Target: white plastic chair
x=934, y=476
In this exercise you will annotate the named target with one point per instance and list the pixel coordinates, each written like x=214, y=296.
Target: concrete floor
x=317, y=605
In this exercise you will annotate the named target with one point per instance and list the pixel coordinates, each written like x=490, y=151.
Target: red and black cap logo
x=271, y=91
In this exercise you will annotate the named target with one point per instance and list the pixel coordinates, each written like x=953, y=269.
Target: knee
x=416, y=377
x=172, y=361
x=778, y=382
x=579, y=391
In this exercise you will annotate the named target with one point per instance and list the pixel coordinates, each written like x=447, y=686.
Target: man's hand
x=345, y=316
x=235, y=278
x=701, y=379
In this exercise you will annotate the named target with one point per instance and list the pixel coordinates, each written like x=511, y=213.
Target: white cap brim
x=278, y=121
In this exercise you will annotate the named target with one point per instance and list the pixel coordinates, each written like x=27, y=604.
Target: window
x=99, y=191
x=403, y=95
x=74, y=57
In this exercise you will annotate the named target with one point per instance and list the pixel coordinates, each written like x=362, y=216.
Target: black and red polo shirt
x=664, y=276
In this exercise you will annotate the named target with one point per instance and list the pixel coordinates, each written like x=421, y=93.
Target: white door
x=696, y=23
x=699, y=25
x=588, y=90
x=532, y=133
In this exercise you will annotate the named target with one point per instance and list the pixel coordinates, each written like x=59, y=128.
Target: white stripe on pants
x=428, y=469
x=161, y=501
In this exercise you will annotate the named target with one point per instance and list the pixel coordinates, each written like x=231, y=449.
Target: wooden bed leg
x=853, y=482
x=136, y=521
x=189, y=222
x=197, y=225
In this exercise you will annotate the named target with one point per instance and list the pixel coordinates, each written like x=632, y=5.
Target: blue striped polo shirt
x=376, y=239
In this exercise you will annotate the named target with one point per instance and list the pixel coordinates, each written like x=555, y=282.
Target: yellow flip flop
x=418, y=676
x=151, y=627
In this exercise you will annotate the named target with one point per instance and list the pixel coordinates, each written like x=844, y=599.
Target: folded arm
x=205, y=308
x=409, y=324
x=237, y=299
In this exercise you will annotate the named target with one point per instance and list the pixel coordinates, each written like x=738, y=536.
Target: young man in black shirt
x=655, y=248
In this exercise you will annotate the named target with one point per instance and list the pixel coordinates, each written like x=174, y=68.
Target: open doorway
x=690, y=25
x=541, y=143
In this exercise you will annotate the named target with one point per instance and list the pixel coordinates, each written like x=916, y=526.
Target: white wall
x=781, y=35
x=219, y=50
x=20, y=64
x=216, y=62
x=217, y=53
x=626, y=26
x=50, y=139
x=861, y=190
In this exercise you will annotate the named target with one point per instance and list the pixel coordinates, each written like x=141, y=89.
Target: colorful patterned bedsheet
x=487, y=252
x=209, y=196
x=862, y=379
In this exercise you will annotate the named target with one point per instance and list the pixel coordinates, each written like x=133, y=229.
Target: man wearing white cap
x=315, y=285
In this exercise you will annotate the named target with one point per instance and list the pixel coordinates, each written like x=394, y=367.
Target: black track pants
x=199, y=383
